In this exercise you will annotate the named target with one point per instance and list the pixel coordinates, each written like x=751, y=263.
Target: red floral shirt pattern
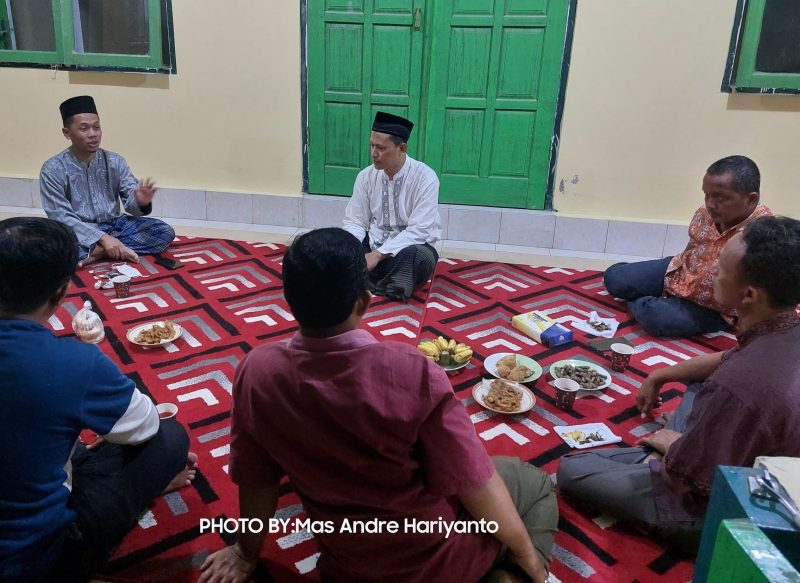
x=690, y=273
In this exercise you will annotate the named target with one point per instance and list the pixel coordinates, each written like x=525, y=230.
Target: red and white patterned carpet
x=228, y=299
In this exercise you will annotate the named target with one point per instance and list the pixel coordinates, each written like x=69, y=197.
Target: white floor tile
x=15, y=211
x=447, y=248
x=579, y=254
x=451, y=244
x=521, y=249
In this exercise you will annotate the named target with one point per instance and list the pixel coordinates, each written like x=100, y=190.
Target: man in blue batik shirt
x=82, y=187
x=64, y=506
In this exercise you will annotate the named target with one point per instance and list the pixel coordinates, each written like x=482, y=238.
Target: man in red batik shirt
x=674, y=296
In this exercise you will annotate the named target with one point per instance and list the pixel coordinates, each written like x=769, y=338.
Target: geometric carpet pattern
x=474, y=302
x=228, y=299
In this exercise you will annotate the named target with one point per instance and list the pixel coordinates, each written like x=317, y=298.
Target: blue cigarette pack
x=542, y=328
x=556, y=335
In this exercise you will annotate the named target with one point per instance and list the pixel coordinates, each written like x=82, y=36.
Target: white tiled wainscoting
x=498, y=230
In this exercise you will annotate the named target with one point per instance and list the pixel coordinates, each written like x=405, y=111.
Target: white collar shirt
x=396, y=212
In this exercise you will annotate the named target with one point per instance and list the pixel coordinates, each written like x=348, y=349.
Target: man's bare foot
x=652, y=456
x=185, y=476
x=664, y=418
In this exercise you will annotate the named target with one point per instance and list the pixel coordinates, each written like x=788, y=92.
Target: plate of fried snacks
x=586, y=435
x=154, y=333
x=503, y=396
x=588, y=375
x=512, y=367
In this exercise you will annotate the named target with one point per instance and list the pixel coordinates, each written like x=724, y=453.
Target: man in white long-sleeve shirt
x=394, y=211
x=65, y=506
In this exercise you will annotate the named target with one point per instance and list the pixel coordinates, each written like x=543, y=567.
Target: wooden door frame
x=566, y=58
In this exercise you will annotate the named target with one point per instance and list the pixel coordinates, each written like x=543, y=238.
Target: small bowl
x=167, y=410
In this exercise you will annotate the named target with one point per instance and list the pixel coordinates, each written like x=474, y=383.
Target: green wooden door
x=485, y=123
x=494, y=84
x=364, y=56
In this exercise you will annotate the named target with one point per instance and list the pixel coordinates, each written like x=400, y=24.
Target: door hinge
x=418, y=19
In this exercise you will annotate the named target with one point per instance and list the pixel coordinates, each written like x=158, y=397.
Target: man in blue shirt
x=84, y=185
x=63, y=506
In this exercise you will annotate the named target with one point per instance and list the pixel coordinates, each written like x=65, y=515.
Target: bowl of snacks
x=503, y=396
x=589, y=376
x=154, y=333
x=450, y=355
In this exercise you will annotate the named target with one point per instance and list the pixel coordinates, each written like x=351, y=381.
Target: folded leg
x=629, y=281
x=615, y=482
x=111, y=486
x=396, y=277
x=675, y=317
x=533, y=496
x=144, y=235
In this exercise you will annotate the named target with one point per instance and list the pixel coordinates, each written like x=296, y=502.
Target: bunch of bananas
x=446, y=352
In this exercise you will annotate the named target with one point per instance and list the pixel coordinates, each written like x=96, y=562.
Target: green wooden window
x=87, y=34
x=765, y=48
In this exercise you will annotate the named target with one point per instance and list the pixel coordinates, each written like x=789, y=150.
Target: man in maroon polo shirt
x=378, y=447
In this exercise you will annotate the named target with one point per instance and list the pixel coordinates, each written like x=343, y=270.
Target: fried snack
x=156, y=333
x=584, y=375
x=599, y=326
x=519, y=373
x=581, y=438
x=503, y=371
x=509, y=361
x=503, y=397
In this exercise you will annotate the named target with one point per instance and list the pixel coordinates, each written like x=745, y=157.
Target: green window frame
x=741, y=72
x=159, y=59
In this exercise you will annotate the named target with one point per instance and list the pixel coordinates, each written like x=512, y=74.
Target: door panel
x=343, y=119
x=490, y=114
x=469, y=53
x=468, y=125
x=485, y=120
x=344, y=38
x=391, y=63
x=518, y=45
x=485, y=7
x=510, y=155
x=527, y=7
x=364, y=56
x=345, y=5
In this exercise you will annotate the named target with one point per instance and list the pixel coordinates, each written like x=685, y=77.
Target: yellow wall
x=644, y=115
x=643, y=118
x=229, y=120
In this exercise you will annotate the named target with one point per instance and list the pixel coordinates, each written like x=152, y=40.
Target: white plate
x=134, y=332
x=577, y=362
x=480, y=391
x=448, y=367
x=452, y=367
x=490, y=364
x=599, y=429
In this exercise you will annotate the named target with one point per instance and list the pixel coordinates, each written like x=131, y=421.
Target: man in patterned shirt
x=739, y=404
x=674, y=296
x=82, y=187
x=394, y=211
